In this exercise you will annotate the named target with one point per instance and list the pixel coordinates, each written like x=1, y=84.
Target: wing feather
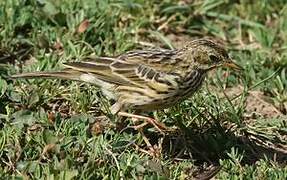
x=132, y=68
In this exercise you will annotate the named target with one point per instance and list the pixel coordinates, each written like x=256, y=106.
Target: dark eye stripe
x=214, y=58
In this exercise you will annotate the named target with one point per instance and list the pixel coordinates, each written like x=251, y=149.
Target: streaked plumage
x=146, y=79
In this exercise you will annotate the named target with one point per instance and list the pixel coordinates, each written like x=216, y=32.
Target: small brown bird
x=147, y=79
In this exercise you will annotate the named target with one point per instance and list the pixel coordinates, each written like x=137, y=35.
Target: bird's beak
x=231, y=64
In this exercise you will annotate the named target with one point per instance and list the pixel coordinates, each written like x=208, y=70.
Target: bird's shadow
x=205, y=148
x=215, y=143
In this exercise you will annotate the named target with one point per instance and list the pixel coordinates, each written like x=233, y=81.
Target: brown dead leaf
x=83, y=26
x=51, y=117
x=58, y=45
x=47, y=151
x=18, y=150
x=100, y=124
x=34, y=128
x=48, y=148
x=97, y=128
x=99, y=162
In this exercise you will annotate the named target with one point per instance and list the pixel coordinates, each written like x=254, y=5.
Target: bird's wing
x=132, y=68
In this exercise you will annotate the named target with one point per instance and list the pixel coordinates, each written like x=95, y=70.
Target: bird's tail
x=68, y=74
x=71, y=74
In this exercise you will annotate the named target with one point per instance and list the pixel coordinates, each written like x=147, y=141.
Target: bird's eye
x=214, y=58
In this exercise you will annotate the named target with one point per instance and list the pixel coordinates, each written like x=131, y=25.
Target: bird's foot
x=160, y=127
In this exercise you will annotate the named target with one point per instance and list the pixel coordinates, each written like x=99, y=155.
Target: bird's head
x=207, y=55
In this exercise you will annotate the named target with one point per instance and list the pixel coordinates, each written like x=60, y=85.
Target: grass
x=49, y=128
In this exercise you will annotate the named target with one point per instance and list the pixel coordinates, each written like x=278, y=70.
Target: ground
x=234, y=128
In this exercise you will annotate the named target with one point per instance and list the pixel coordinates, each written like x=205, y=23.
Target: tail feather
x=64, y=74
x=70, y=74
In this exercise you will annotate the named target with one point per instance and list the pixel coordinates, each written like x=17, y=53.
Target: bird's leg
x=147, y=120
x=152, y=150
x=115, y=109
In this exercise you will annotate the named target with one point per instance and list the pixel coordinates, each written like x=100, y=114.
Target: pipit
x=146, y=80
